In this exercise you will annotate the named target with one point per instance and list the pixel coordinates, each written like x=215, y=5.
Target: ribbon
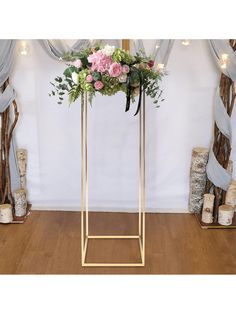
x=218, y=175
x=128, y=94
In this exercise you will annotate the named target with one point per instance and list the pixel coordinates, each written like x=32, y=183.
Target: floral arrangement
x=108, y=70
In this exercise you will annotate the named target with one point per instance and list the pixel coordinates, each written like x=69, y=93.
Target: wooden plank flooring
x=49, y=243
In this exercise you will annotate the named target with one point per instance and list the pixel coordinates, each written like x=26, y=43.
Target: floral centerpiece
x=108, y=70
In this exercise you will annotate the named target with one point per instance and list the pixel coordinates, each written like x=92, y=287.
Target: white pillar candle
x=6, y=213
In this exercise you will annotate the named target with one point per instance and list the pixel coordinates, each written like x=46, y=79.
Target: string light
x=224, y=60
x=223, y=66
x=157, y=46
x=160, y=67
x=224, y=57
x=24, y=48
x=186, y=42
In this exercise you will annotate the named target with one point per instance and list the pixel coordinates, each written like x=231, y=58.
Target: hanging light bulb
x=157, y=46
x=186, y=42
x=160, y=67
x=224, y=57
x=224, y=60
x=24, y=48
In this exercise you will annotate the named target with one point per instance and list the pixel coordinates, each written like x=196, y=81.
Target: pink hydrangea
x=125, y=69
x=100, y=61
x=89, y=78
x=77, y=63
x=115, y=69
x=98, y=85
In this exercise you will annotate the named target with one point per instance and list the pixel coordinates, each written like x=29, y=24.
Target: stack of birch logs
x=203, y=203
x=19, y=207
x=13, y=203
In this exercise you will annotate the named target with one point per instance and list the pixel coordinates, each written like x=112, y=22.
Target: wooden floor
x=49, y=243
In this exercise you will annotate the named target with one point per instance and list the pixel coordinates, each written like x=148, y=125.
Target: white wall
x=51, y=133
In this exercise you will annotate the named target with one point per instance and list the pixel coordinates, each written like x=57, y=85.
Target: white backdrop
x=51, y=133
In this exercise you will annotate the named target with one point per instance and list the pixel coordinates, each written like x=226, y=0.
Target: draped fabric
x=161, y=49
x=57, y=48
x=219, y=176
x=220, y=47
x=6, y=58
x=6, y=99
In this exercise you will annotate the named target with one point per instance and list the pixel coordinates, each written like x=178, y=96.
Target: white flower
x=108, y=50
x=123, y=78
x=75, y=78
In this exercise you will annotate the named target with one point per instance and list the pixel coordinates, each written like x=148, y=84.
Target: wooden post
x=126, y=44
x=221, y=145
x=6, y=136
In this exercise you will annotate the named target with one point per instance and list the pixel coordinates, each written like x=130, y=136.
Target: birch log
x=197, y=178
x=207, y=211
x=226, y=213
x=6, y=213
x=22, y=164
x=20, y=202
x=231, y=194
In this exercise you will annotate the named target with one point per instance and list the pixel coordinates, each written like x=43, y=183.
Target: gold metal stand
x=85, y=236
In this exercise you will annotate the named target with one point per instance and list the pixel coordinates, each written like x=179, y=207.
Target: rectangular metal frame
x=85, y=236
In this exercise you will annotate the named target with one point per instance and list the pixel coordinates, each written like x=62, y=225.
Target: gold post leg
x=140, y=176
x=82, y=180
x=86, y=164
x=84, y=192
x=143, y=180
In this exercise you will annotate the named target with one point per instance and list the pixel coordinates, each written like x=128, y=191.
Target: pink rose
x=100, y=62
x=98, y=85
x=77, y=63
x=89, y=78
x=101, y=68
x=115, y=69
x=125, y=69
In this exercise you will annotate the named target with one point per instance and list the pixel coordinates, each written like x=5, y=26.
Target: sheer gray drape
x=220, y=47
x=58, y=47
x=216, y=173
x=161, y=49
x=7, y=48
x=6, y=58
